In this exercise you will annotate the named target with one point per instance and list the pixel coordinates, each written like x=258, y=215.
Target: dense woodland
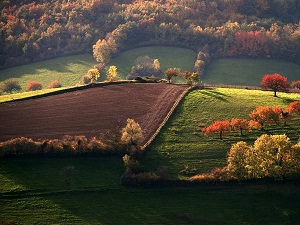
x=42, y=29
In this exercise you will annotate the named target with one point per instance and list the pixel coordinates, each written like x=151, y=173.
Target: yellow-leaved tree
x=112, y=74
x=132, y=134
x=93, y=74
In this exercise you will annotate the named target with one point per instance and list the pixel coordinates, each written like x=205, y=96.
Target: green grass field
x=68, y=70
x=168, y=57
x=32, y=190
x=177, y=145
x=246, y=71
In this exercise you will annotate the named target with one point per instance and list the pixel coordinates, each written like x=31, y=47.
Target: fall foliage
x=263, y=115
x=37, y=30
x=217, y=127
x=93, y=74
x=275, y=81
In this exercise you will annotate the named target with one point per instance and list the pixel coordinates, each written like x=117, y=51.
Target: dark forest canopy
x=37, y=30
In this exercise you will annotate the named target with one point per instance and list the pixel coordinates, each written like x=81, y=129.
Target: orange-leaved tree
x=217, y=126
x=275, y=81
x=294, y=107
x=239, y=125
x=263, y=115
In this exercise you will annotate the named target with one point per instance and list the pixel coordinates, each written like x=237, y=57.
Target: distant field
x=68, y=70
x=168, y=57
x=247, y=71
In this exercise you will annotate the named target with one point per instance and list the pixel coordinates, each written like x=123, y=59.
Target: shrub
x=138, y=179
x=86, y=79
x=34, y=85
x=54, y=84
x=9, y=86
x=19, y=146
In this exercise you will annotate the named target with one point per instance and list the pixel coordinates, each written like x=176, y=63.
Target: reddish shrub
x=54, y=84
x=34, y=85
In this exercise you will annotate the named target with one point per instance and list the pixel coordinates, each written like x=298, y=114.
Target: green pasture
x=247, y=71
x=168, y=57
x=182, y=143
x=67, y=70
x=32, y=191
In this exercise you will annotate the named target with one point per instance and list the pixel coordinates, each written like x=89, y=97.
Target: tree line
x=37, y=30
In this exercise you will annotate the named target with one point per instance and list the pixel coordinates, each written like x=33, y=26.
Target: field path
x=89, y=112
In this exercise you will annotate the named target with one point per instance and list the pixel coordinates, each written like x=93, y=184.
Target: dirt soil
x=89, y=112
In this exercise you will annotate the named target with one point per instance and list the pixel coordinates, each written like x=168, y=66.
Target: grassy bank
x=182, y=143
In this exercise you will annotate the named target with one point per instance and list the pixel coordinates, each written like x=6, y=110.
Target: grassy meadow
x=67, y=70
x=168, y=57
x=181, y=141
x=247, y=71
x=32, y=190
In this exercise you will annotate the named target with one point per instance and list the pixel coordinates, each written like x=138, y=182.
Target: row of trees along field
x=36, y=30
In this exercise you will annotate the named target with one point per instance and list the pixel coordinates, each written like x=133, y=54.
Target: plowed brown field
x=89, y=112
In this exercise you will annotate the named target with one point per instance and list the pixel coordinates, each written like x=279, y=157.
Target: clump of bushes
x=55, y=84
x=271, y=157
x=9, y=86
x=34, y=86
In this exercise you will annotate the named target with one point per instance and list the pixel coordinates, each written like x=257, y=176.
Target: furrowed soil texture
x=89, y=112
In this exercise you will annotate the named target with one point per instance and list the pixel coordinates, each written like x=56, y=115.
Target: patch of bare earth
x=89, y=112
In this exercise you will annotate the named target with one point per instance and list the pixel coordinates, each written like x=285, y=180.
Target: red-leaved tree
x=34, y=85
x=275, y=81
x=296, y=84
x=217, y=126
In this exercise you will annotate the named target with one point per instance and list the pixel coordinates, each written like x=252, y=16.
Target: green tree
x=9, y=86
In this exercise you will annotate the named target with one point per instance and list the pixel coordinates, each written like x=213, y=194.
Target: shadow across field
x=216, y=94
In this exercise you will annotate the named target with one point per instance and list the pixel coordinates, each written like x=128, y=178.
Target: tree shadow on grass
x=216, y=94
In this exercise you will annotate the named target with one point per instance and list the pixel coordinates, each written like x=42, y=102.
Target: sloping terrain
x=89, y=112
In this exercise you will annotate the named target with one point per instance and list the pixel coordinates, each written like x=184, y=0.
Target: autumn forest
x=37, y=30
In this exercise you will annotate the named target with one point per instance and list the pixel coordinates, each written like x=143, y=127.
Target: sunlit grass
x=67, y=70
x=181, y=141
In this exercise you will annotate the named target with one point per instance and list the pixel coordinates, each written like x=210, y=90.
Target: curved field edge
x=171, y=111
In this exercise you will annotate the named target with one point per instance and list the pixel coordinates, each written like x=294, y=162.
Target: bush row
x=68, y=145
